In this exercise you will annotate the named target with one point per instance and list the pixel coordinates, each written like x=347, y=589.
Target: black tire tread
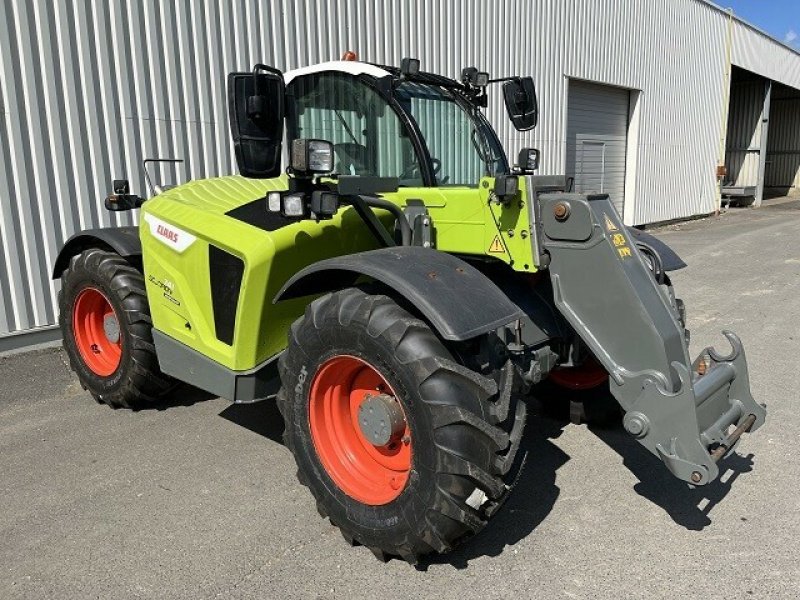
x=498, y=424
x=144, y=383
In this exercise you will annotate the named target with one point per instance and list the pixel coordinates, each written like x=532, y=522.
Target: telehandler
x=402, y=290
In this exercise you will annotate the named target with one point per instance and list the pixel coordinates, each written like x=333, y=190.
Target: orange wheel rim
x=372, y=474
x=589, y=375
x=97, y=334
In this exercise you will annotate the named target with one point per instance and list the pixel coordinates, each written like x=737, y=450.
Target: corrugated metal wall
x=782, y=172
x=743, y=146
x=89, y=89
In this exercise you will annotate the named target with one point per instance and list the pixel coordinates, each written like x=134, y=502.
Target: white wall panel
x=90, y=88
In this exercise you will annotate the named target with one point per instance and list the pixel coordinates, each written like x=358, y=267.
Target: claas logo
x=172, y=236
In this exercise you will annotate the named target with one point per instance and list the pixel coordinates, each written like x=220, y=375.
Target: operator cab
x=423, y=129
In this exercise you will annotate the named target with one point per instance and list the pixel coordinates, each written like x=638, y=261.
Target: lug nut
x=561, y=211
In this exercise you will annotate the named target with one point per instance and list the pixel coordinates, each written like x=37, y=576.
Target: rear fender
x=122, y=240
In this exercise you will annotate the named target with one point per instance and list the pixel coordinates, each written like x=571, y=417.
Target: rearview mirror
x=121, y=199
x=521, y=103
x=255, y=110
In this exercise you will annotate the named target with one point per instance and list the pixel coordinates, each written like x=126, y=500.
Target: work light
x=528, y=160
x=312, y=156
x=274, y=201
x=293, y=206
x=288, y=204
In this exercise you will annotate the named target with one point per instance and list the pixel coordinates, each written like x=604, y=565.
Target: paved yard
x=200, y=500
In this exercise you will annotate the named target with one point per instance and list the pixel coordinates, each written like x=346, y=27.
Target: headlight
x=274, y=202
x=312, y=156
x=293, y=206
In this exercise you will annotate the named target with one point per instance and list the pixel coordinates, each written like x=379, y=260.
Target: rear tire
x=105, y=321
x=463, y=429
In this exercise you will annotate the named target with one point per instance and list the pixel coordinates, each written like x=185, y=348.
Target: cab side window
x=367, y=135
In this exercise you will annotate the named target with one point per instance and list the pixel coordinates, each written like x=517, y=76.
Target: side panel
x=179, y=228
x=470, y=221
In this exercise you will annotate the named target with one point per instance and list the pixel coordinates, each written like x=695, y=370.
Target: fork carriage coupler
x=634, y=328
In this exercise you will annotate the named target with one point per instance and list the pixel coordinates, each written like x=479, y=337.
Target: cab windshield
x=370, y=138
x=462, y=145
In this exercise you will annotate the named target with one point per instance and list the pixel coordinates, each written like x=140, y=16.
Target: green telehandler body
x=381, y=270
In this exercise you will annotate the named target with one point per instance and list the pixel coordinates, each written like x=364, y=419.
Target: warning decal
x=497, y=246
x=609, y=224
x=621, y=244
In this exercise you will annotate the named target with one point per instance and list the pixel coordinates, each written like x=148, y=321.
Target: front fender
x=669, y=258
x=457, y=299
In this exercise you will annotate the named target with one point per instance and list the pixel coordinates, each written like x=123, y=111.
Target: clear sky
x=779, y=18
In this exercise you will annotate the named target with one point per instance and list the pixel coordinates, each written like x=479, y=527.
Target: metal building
x=639, y=99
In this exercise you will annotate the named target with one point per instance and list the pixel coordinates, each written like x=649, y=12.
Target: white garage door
x=597, y=138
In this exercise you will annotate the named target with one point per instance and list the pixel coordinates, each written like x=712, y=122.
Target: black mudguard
x=457, y=299
x=669, y=258
x=122, y=240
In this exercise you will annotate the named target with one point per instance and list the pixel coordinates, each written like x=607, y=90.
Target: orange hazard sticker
x=497, y=246
x=609, y=223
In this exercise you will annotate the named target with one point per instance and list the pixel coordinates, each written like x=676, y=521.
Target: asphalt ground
x=199, y=500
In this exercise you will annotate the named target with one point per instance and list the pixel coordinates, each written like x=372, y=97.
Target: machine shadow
x=533, y=497
x=536, y=491
x=183, y=394
x=262, y=418
x=689, y=507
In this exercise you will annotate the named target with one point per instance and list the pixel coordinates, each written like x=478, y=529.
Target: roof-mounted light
x=409, y=67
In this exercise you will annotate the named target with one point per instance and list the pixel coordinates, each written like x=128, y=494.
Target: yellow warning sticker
x=618, y=239
x=624, y=252
x=497, y=246
x=609, y=223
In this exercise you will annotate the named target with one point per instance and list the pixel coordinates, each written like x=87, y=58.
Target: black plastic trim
x=226, y=272
x=256, y=213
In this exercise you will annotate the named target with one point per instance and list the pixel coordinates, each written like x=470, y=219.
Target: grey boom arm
x=605, y=290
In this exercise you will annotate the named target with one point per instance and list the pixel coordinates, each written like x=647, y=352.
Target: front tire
x=105, y=322
x=439, y=472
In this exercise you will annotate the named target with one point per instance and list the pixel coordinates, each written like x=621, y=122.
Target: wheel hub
x=381, y=419
x=359, y=430
x=97, y=332
x=111, y=328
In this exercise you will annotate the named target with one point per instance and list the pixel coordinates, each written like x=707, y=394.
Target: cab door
x=463, y=163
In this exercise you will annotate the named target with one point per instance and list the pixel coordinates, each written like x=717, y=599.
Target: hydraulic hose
x=405, y=228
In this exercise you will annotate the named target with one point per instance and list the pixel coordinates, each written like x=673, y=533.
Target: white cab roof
x=352, y=67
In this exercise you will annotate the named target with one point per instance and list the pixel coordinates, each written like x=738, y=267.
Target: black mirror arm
x=258, y=68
